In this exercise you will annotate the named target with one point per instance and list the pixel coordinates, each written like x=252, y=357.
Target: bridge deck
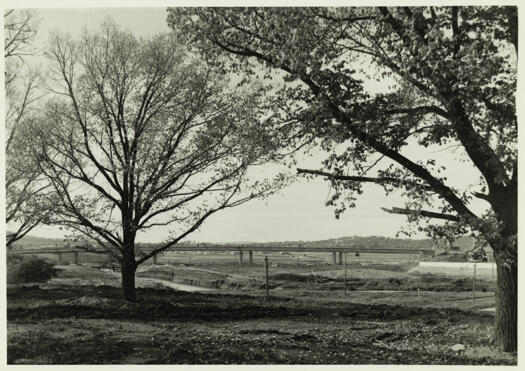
x=269, y=248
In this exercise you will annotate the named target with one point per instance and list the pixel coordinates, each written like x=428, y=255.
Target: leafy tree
x=141, y=134
x=23, y=183
x=448, y=78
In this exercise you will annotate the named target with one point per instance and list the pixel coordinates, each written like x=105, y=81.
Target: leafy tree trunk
x=506, y=334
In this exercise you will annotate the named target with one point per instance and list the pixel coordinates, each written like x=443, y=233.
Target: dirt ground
x=87, y=324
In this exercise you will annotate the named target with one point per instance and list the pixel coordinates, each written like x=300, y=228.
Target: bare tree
x=23, y=185
x=139, y=135
x=20, y=27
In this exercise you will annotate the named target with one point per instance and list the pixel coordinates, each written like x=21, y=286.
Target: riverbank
x=364, y=285
x=358, y=278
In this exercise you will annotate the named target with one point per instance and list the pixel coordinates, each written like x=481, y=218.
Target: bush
x=394, y=281
x=294, y=277
x=29, y=269
x=453, y=257
x=398, y=267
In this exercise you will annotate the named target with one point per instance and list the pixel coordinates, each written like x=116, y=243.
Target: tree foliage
x=448, y=77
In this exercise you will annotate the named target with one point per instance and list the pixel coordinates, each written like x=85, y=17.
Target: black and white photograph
x=260, y=184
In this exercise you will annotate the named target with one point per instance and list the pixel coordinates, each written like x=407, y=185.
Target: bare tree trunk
x=128, y=264
x=506, y=326
x=128, y=279
x=505, y=247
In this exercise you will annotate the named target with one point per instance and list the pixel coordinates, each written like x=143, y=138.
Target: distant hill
x=463, y=244
x=378, y=242
x=36, y=241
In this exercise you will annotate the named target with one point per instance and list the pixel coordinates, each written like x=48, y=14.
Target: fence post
x=267, y=287
x=474, y=285
x=345, y=273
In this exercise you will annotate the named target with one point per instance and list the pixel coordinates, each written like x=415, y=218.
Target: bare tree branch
x=425, y=213
x=378, y=180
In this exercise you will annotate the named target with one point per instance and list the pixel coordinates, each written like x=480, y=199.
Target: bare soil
x=89, y=324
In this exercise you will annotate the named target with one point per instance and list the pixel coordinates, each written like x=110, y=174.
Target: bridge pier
x=334, y=258
x=155, y=262
x=77, y=258
x=340, y=258
x=60, y=258
x=250, y=256
x=240, y=257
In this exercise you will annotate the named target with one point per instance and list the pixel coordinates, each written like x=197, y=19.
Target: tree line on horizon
x=461, y=244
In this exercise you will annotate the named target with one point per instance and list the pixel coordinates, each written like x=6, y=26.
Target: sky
x=298, y=212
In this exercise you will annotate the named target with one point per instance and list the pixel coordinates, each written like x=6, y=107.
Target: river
x=173, y=285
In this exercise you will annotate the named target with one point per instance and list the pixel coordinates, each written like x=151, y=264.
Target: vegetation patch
x=22, y=269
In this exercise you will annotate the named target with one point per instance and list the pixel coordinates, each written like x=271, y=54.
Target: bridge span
x=337, y=251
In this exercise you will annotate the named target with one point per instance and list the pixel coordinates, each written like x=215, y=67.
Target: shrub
x=30, y=269
x=394, y=281
x=291, y=277
x=427, y=277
